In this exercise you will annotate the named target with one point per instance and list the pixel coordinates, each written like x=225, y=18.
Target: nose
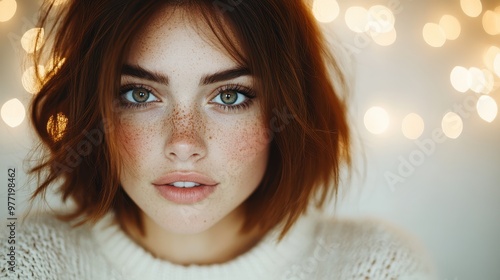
x=185, y=141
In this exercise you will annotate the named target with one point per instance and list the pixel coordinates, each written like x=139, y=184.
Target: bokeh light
x=57, y=126
x=472, y=8
x=356, y=18
x=29, y=80
x=376, y=120
x=477, y=80
x=412, y=126
x=487, y=108
x=325, y=10
x=489, y=81
x=491, y=22
x=459, y=78
x=30, y=37
x=385, y=39
x=451, y=26
x=452, y=125
x=380, y=19
x=434, y=35
x=54, y=64
x=59, y=2
x=496, y=65
x=7, y=9
x=13, y=112
x=489, y=57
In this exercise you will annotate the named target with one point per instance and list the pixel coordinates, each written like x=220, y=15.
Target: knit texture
x=315, y=248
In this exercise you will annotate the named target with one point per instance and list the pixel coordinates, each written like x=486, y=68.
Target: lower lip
x=185, y=195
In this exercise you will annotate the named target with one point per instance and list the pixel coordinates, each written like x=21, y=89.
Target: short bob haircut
x=300, y=86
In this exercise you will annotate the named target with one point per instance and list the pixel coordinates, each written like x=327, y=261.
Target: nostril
x=184, y=155
x=180, y=147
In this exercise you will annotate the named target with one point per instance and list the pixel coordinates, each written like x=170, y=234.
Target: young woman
x=191, y=138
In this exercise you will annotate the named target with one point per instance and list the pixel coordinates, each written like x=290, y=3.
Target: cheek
x=245, y=145
x=135, y=142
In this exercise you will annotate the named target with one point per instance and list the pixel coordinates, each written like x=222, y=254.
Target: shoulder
x=370, y=248
x=365, y=231
x=42, y=246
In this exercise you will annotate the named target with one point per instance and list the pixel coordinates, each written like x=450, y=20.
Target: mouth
x=185, y=187
x=183, y=184
x=185, y=180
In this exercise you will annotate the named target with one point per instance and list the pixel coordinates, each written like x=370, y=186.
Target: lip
x=185, y=195
x=186, y=177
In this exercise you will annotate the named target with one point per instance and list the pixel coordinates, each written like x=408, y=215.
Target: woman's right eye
x=138, y=95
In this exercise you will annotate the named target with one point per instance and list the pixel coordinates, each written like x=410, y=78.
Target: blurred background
x=426, y=84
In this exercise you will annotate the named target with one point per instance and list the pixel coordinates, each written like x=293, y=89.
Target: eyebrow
x=224, y=75
x=139, y=72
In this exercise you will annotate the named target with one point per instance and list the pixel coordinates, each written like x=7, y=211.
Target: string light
x=496, y=65
x=452, y=125
x=472, y=8
x=385, y=39
x=376, y=120
x=459, y=78
x=325, y=10
x=57, y=126
x=7, y=9
x=487, y=108
x=29, y=80
x=30, y=37
x=489, y=81
x=412, y=126
x=451, y=27
x=13, y=112
x=380, y=19
x=477, y=80
x=434, y=35
x=356, y=19
x=489, y=57
x=491, y=22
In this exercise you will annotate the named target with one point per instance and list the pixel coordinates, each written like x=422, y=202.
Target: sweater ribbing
x=315, y=248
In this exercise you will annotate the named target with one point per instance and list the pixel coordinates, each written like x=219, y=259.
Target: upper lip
x=195, y=177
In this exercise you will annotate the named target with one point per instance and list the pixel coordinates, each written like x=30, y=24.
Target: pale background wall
x=450, y=200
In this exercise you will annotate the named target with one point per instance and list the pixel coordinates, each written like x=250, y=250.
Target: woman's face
x=190, y=130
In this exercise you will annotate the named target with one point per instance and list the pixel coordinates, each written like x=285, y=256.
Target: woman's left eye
x=230, y=97
x=138, y=95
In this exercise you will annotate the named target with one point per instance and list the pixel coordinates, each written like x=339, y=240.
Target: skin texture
x=183, y=128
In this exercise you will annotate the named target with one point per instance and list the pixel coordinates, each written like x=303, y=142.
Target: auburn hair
x=300, y=83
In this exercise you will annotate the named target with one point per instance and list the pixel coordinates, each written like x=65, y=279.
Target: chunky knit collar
x=263, y=261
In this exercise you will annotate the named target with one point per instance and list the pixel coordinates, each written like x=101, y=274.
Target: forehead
x=176, y=35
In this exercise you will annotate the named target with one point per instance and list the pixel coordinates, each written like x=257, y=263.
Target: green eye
x=229, y=97
x=138, y=95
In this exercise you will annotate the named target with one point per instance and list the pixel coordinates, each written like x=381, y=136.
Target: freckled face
x=188, y=125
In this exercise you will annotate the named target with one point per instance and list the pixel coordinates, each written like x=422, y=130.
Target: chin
x=187, y=229
x=184, y=222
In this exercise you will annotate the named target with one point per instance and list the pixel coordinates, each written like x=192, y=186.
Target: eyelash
x=129, y=105
x=247, y=92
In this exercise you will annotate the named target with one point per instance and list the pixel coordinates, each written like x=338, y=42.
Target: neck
x=220, y=243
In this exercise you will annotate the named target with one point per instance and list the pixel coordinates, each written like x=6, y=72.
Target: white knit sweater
x=315, y=248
